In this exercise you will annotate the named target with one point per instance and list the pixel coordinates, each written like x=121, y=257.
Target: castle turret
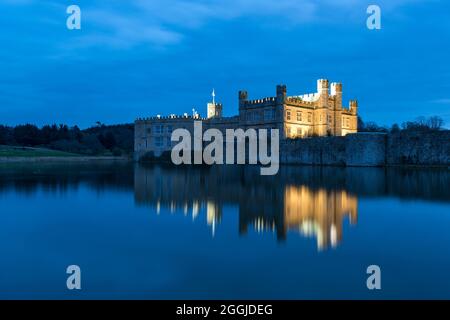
x=322, y=90
x=336, y=92
x=354, y=107
x=243, y=96
x=214, y=109
x=281, y=93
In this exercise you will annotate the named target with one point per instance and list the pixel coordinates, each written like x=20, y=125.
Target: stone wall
x=370, y=149
x=418, y=148
x=314, y=151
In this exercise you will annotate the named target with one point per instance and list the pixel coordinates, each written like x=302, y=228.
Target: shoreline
x=63, y=159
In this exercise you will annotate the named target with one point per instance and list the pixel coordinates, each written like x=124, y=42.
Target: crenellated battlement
x=309, y=97
x=336, y=88
x=260, y=101
x=297, y=101
x=170, y=117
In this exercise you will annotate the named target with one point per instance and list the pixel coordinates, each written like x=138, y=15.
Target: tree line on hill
x=421, y=124
x=101, y=139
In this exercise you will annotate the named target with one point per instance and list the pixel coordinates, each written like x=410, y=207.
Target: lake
x=223, y=232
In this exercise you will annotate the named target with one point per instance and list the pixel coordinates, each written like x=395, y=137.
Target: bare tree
x=435, y=123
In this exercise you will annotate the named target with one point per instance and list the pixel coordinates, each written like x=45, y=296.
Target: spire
x=213, y=96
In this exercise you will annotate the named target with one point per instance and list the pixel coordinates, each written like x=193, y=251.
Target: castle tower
x=354, y=107
x=214, y=109
x=322, y=90
x=281, y=93
x=243, y=96
x=335, y=126
x=336, y=92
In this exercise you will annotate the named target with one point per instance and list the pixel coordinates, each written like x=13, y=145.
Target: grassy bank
x=11, y=154
x=11, y=151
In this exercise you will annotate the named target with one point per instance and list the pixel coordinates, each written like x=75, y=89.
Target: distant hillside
x=101, y=140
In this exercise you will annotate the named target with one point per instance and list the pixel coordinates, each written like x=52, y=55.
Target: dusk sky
x=137, y=58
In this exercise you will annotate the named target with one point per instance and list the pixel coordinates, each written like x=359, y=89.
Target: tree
x=435, y=123
x=27, y=135
x=76, y=133
x=395, y=128
x=108, y=140
x=5, y=135
x=424, y=124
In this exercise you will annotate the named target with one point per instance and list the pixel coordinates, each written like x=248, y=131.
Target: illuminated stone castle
x=316, y=114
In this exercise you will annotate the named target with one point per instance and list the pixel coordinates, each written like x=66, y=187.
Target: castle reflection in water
x=265, y=204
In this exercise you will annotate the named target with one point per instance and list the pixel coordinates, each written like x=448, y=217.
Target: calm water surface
x=223, y=232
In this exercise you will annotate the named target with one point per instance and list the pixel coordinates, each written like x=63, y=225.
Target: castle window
x=288, y=115
x=288, y=132
x=252, y=116
x=299, y=116
x=269, y=114
x=299, y=132
x=158, y=129
x=149, y=130
x=158, y=141
x=309, y=117
x=329, y=119
x=169, y=129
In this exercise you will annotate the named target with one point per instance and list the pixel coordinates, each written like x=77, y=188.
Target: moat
x=155, y=231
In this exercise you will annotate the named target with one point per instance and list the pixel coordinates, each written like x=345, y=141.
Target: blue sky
x=136, y=58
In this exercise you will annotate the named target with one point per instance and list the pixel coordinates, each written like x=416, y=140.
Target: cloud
x=161, y=23
x=122, y=30
x=165, y=22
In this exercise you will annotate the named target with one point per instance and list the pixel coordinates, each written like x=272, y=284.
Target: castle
x=315, y=114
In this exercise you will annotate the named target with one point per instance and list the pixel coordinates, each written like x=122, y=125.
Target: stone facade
x=315, y=114
x=370, y=149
